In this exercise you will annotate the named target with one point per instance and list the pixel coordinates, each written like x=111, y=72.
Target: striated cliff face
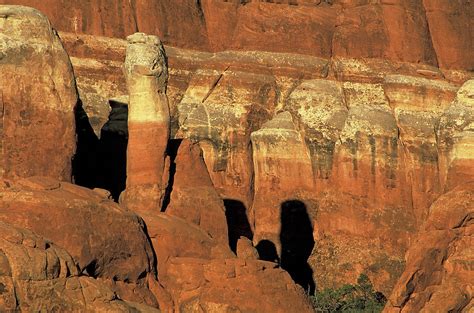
x=323, y=131
x=426, y=31
x=359, y=142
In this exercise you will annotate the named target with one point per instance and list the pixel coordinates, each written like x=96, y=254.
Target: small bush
x=350, y=298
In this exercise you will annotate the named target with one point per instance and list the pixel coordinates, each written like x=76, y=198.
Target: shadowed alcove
x=296, y=237
x=267, y=251
x=237, y=222
x=84, y=162
x=102, y=163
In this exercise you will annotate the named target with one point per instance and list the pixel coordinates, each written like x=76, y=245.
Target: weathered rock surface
x=368, y=127
x=104, y=239
x=427, y=31
x=438, y=273
x=42, y=94
x=37, y=275
x=327, y=154
x=175, y=237
x=282, y=166
x=192, y=194
x=456, y=139
x=209, y=113
x=146, y=74
x=232, y=285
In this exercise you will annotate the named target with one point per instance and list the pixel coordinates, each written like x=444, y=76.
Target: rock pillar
x=146, y=74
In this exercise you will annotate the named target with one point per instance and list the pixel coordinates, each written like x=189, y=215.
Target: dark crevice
x=214, y=85
x=102, y=163
x=113, y=150
x=153, y=256
x=297, y=243
x=237, y=222
x=84, y=162
x=172, y=152
x=91, y=269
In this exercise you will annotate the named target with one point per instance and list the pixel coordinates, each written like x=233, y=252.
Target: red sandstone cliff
x=433, y=32
x=348, y=119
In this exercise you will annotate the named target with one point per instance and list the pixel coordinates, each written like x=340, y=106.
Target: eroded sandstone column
x=146, y=74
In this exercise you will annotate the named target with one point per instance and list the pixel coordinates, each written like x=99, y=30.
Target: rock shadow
x=113, y=150
x=297, y=243
x=171, y=152
x=102, y=163
x=267, y=251
x=237, y=222
x=85, y=161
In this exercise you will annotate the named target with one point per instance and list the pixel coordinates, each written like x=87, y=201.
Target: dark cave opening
x=102, y=163
x=296, y=237
x=237, y=222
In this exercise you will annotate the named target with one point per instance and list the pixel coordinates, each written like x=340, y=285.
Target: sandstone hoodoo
x=236, y=156
x=146, y=73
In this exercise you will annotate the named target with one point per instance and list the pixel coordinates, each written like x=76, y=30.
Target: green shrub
x=350, y=298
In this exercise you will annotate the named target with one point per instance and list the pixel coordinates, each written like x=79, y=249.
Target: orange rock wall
x=428, y=31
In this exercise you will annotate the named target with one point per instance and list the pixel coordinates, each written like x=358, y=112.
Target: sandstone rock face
x=456, y=139
x=281, y=159
x=174, y=237
x=232, y=285
x=39, y=275
x=438, y=272
x=452, y=44
x=146, y=73
x=91, y=228
x=42, y=94
x=417, y=112
x=209, y=114
x=324, y=156
x=365, y=128
x=426, y=31
x=193, y=196
x=396, y=30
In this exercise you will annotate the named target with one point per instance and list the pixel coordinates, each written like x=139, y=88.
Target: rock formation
x=456, y=139
x=430, y=31
x=294, y=162
x=42, y=95
x=438, y=272
x=39, y=275
x=88, y=226
x=146, y=73
x=370, y=127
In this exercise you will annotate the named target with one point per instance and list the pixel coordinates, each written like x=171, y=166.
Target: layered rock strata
x=87, y=252
x=333, y=164
x=369, y=126
x=427, y=31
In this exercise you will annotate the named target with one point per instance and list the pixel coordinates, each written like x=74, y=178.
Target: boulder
x=38, y=275
x=103, y=239
x=36, y=107
x=172, y=236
